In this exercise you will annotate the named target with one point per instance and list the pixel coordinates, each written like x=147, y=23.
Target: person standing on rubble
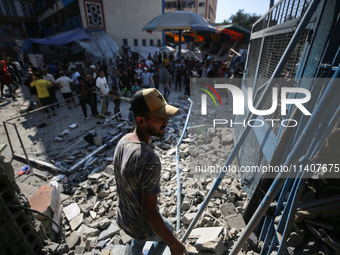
x=137, y=171
x=42, y=89
x=103, y=88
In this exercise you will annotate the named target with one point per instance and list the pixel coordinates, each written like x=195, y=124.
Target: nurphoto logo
x=239, y=99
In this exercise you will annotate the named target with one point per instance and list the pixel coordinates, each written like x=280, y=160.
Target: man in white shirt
x=65, y=84
x=101, y=84
x=146, y=79
x=52, y=90
x=75, y=76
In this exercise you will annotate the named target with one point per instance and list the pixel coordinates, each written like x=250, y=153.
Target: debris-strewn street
x=81, y=182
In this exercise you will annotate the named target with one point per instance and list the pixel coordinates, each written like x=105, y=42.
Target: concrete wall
x=125, y=19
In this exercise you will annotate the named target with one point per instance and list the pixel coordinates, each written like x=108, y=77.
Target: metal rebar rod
x=41, y=108
x=178, y=225
x=23, y=147
x=293, y=42
x=8, y=138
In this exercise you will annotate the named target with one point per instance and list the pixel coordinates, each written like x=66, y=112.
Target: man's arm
x=155, y=221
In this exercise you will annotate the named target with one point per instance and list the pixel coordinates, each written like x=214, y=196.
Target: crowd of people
x=109, y=81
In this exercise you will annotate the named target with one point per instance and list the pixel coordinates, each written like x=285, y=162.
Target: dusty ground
x=40, y=143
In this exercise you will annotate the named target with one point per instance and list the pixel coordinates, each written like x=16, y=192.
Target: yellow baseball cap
x=151, y=100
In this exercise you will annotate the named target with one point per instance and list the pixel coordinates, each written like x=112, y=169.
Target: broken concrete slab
x=86, y=231
x=77, y=221
x=188, y=217
x=216, y=246
x=125, y=237
x=71, y=211
x=73, y=240
x=109, y=232
x=206, y=234
x=119, y=249
x=101, y=225
x=236, y=221
x=228, y=209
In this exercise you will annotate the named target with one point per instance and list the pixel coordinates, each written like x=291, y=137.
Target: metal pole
x=332, y=93
x=163, y=34
x=179, y=44
x=22, y=146
x=178, y=225
x=299, y=31
x=8, y=138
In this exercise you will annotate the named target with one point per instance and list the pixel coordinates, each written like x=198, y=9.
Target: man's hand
x=177, y=248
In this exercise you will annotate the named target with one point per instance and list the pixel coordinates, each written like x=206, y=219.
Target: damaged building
x=295, y=45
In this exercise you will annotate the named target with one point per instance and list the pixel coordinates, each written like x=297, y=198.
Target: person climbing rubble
x=138, y=170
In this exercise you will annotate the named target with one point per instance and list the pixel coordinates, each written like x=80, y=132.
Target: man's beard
x=154, y=132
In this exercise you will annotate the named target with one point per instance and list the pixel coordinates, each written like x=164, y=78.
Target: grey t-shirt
x=137, y=170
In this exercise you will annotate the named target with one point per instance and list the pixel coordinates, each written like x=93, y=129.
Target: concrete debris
x=73, y=240
x=71, y=211
x=90, y=196
x=109, y=232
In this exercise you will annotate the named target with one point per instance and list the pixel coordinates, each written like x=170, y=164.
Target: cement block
x=206, y=234
x=215, y=246
x=87, y=231
x=119, y=250
x=71, y=211
x=188, y=217
x=236, y=221
x=109, y=232
x=125, y=237
x=73, y=240
x=77, y=221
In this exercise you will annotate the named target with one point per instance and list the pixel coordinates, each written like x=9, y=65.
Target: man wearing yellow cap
x=138, y=170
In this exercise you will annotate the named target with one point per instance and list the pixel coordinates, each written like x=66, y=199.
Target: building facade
x=18, y=20
x=206, y=8
x=123, y=20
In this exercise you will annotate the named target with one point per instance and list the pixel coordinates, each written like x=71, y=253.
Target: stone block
x=109, y=232
x=236, y=190
x=216, y=246
x=77, y=221
x=296, y=238
x=71, y=211
x=95, y=177
x=106, y=252
x=125, y=237
x=236, y=221
x=101, y=225
x=119, y=249
x=73, y=240
x=91, y=243
x=206, y=234
x=188, y=217
x=86, y=231
x=185, y=206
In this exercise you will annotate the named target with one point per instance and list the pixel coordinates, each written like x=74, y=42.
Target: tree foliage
x=242, y=19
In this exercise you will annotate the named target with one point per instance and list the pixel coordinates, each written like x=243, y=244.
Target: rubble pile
x=316, y=226
x=89, y=199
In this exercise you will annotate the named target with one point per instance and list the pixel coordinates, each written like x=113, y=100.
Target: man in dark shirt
x=114, y=94
x=33, y=90
x=84, y=97
x=137, y=171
